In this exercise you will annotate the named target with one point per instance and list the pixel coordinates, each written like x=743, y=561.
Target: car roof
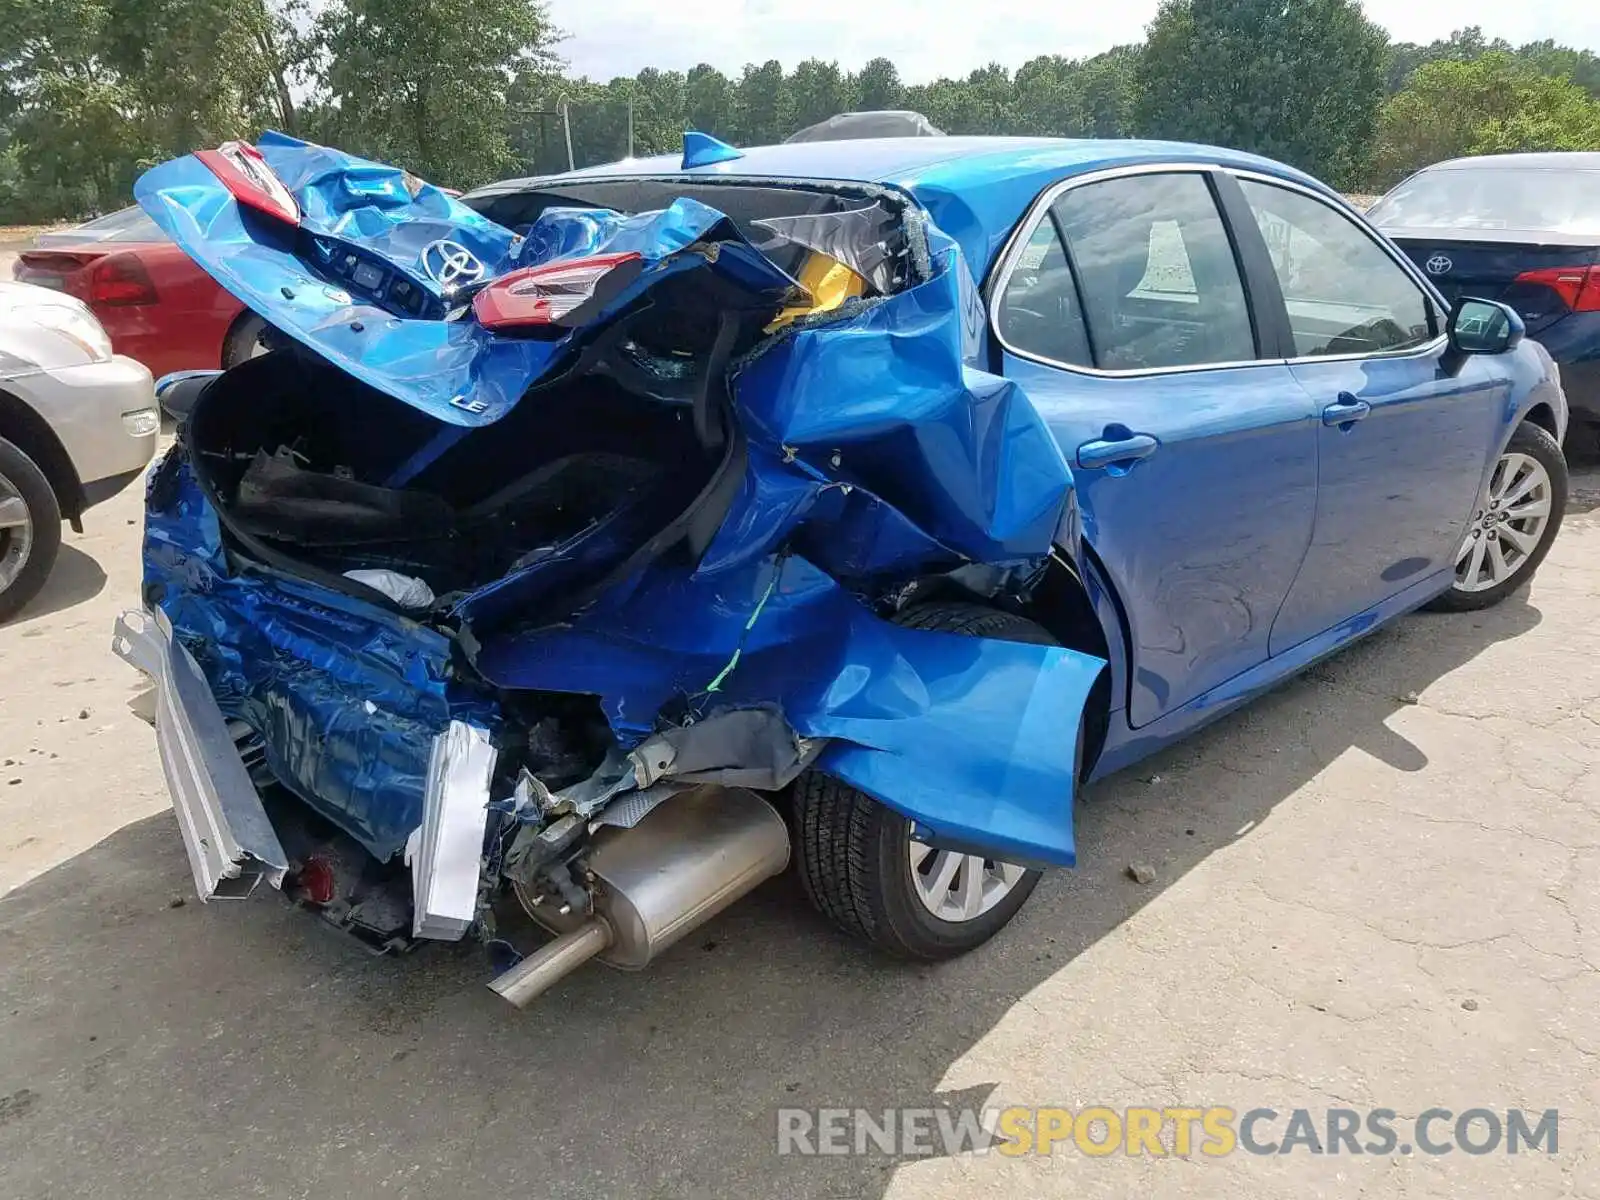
x=975, y=188
x=1547, y=160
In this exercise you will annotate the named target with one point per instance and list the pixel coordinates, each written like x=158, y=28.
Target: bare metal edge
x=230, y=841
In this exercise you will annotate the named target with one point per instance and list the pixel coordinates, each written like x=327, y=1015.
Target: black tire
x=44, y=515
x=1533, y=441
x=853, y=853
x=242, y=337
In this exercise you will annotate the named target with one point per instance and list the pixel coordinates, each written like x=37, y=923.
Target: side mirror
x=1480, y=327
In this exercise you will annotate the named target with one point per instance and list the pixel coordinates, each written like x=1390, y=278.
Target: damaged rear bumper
x=231, y=844
x=775, y=492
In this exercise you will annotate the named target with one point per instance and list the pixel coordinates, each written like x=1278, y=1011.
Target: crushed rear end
x=539, y=561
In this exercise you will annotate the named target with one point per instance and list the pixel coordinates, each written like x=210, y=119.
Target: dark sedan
x=1519, y=228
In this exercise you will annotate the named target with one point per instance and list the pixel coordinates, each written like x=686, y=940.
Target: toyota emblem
x=450, y=264
x=1439, y=264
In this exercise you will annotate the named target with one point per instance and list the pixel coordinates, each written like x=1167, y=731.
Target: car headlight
x=78, y=325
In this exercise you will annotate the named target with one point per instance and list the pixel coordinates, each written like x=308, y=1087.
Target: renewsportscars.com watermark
x=1214, y=1132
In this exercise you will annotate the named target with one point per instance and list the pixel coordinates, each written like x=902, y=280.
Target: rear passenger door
x=1123, y=309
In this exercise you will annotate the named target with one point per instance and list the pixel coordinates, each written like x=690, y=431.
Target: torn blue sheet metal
x=347, y=697
x=887, y=402
x=974, y=738
x=878, y=450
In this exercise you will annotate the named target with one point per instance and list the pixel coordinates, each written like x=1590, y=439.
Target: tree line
x=464, y=91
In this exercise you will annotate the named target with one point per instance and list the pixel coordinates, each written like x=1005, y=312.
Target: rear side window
x=1157, y=276
x=1344, y=294
x=1039, y=312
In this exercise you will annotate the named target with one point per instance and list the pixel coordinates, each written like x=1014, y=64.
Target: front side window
x=1345, y=295
x=1159, y=282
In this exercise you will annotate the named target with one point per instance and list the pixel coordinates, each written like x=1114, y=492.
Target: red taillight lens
x=120, y=279
x=546, y=295
x=1578, y=287
x=240, y=166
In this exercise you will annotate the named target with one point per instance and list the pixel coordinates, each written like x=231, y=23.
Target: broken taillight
x=547, y=294
x=240, y=166
x=1578, y=287
x=119, y=280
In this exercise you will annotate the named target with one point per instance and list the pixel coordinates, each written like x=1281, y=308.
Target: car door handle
x=1103, y=452
x=1345, y=411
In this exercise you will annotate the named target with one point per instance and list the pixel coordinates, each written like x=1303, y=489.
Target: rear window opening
x=861, y=227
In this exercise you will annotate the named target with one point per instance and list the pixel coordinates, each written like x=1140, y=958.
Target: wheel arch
x=25, y=429
x=1544, y=417
x=1075, y=602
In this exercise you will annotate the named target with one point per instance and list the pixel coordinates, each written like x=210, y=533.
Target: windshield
x=1518, y=198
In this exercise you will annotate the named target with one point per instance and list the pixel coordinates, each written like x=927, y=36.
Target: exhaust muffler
x=684, y=862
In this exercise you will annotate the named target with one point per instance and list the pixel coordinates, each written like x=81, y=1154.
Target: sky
x=930, y=38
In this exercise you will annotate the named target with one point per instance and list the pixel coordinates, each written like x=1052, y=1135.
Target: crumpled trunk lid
x=376, y=275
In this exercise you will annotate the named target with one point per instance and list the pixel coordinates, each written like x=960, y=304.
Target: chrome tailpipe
x=684, y=862
x=552, y=962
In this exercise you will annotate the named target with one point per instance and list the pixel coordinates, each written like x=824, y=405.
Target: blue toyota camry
x=593, y=545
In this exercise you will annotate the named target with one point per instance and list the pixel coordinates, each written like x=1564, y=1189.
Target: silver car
x=77, y=425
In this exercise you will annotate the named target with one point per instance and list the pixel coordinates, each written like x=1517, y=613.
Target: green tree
x=424, y=83
x=1563, y=62
x=1108, y=85
x=877, y=86
x=533, y=122
x=1047, y=97
x=74, y=138
x=761, y=105
x=204, y=71
x=1463, y=45
x=983, y=102
x=818, y=90
x=659, y=111
x=1297, y=80
x=988, y=102
x=708, y=99
x=1493, y=103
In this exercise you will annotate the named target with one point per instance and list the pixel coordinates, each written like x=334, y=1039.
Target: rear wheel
x=864, y=870
x=246, y=339
x=30, y=529
x=1513, y=524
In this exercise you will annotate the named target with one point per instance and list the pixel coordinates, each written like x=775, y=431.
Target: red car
x=158, y=307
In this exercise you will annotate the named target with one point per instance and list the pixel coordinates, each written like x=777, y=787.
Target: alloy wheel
x=1508, y=523
x=960, y=887
x=16, y=533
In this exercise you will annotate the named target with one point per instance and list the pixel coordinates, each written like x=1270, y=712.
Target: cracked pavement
x=1379, y=886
